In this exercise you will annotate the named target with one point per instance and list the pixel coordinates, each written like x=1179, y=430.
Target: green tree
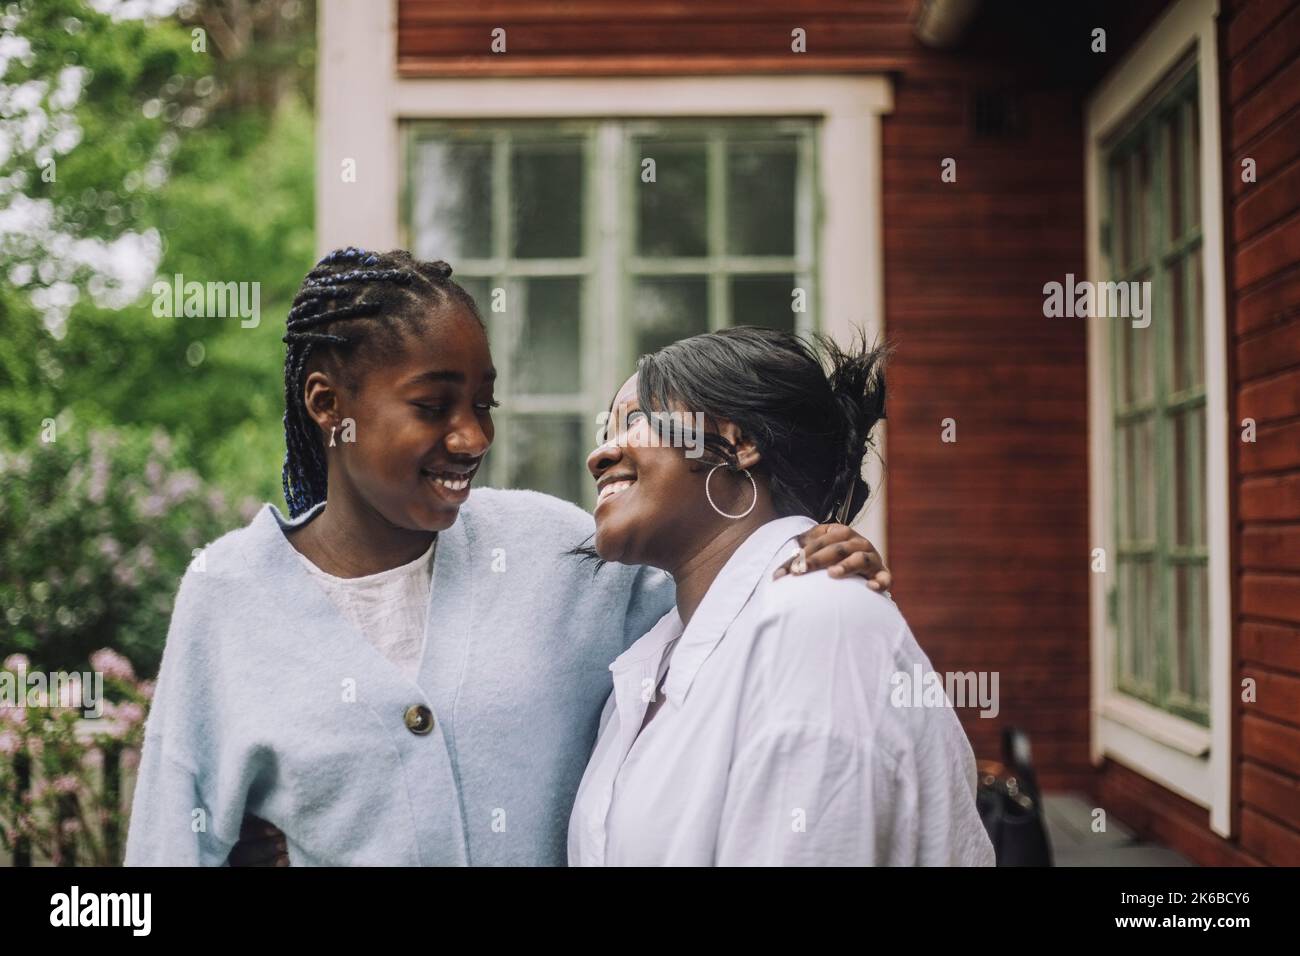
x=174, y=153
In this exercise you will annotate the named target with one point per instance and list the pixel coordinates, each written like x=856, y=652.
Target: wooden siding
x=1260, y=47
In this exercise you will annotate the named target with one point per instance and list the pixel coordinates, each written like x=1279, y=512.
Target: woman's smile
x=611, y=485
x=451, y=485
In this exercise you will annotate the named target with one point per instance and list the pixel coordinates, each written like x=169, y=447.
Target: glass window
x=1158, y=406
x=583, y=256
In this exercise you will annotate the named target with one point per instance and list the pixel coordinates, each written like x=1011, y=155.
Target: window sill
x=1169, y=750
x=1162, y=727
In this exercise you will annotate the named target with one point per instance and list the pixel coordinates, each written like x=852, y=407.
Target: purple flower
x=110, y=547
x=67, y=783
x=10, y=743
x=112, y=664
x=179, y=486
x=17, y=663
x=99, y=473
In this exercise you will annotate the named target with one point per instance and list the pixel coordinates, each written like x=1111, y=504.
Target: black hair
x=391, y=291
x=808, y=405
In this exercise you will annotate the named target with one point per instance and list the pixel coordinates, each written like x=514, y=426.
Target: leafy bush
x=60, y=775
x=95, y=533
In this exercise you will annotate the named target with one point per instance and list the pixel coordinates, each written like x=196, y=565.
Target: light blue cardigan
x=270, y=703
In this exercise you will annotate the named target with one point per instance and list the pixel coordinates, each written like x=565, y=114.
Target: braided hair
x=352, y=298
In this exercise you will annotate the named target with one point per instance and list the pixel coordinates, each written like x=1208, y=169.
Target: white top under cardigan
x=389, y=609
x=777, y=742
x=269, y=702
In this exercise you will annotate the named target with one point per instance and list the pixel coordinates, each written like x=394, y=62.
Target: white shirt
x=388, y=609
x=777, y=743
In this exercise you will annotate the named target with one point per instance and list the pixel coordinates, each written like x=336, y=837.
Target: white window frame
x=363, y=102
x=1189, y=759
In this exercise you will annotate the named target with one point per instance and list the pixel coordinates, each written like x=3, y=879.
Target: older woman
x=754, y=724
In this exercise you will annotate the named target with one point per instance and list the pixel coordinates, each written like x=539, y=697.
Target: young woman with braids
x=397, y=673
x=776, y=734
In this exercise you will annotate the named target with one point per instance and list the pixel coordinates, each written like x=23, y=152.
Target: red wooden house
x=1104, y=510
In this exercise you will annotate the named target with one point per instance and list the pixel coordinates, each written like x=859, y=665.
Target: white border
x=1176, y=753
x=363, y=102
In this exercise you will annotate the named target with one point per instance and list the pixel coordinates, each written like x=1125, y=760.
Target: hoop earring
x=332, y=429
x=719, y=510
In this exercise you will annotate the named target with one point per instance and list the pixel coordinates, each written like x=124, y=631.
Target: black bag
x=1010, y=805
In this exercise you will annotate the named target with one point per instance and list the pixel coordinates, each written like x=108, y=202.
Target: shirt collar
x=726, y=597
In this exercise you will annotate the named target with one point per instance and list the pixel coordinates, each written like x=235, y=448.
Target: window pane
x=547, y=354
x=547, y=196
x=451, y=199
x=1178, y=320
x=666, y=309
x=1173, y=145
x=1121, y=228
x=1124, y=623
x=1137, y=484
x=1196, y=325
x=1194, y=176
x=672, y=211
x=546, y=454
x=762, y=179
x=480, y=290
x=1195, y=463
x=1140, y=384
x=1141, y=203
x=1185, y=482
x=763, y=300
x=1124, y=484
x=1136, y=624
x=1144, y=623
x=1189, y=637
